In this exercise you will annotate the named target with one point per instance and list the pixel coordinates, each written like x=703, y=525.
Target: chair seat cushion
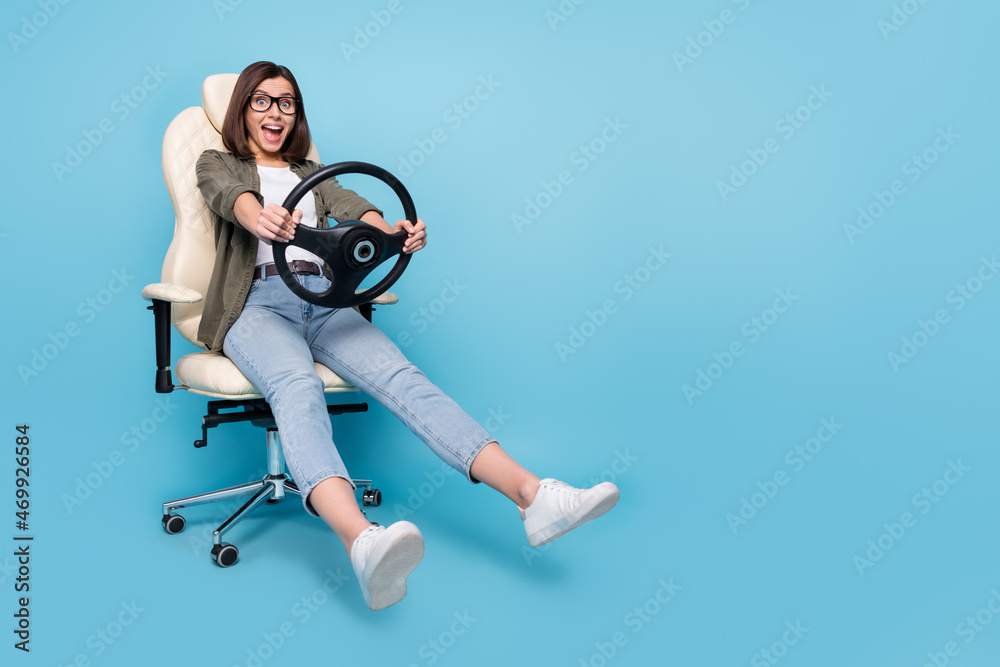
x=213, y=374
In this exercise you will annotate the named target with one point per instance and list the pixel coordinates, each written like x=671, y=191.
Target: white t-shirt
x=275, y=184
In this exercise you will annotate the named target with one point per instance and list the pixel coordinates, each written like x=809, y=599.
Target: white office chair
x=177, y=300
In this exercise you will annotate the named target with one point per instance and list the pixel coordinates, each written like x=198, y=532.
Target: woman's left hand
x=417, y=235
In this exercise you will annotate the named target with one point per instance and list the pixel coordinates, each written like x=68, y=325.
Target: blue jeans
x=274, y=343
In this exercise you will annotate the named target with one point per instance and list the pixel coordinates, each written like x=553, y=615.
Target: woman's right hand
x=275, y=224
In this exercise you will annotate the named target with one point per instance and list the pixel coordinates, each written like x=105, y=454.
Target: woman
x=273, y=338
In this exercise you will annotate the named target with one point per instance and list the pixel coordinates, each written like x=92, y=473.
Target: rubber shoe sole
x=397, y=553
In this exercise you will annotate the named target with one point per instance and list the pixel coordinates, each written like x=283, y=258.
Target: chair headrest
x=215, y=95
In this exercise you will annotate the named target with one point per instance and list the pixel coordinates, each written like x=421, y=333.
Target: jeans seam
x=473, y=453
x=269, y=388
x=274, y=404
x=437, y=438
x=306, y=488
x=296, y=473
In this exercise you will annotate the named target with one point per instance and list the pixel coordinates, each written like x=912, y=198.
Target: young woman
x=273, y=337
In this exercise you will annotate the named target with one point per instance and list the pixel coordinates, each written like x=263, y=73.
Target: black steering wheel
x=351, y=249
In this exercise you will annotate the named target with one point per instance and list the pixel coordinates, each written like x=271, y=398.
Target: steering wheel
x=352, y=249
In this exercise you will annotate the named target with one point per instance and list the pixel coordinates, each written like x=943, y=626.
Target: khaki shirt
x=222, y=177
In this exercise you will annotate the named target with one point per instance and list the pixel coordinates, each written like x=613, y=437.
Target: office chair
x=177, y=301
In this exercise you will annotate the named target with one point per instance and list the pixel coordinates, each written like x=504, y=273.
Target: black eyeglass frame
x=271, y=101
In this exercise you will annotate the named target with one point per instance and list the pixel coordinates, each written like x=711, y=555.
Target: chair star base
x=271, y=489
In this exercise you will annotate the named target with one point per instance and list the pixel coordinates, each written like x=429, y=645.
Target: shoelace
x=367, y=537
x=572, y=494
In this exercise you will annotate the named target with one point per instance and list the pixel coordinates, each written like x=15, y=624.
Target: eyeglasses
x=286, y=105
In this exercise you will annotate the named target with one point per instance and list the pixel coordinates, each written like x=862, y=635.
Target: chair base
x=271, y=489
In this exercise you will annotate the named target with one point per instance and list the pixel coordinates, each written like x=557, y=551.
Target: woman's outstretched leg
x=382, y=557
x=497, y=470
x=548, y=507
x=360, y=353
x=335, y=502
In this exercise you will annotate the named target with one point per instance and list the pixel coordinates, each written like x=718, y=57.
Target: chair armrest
x=162, y=295
x=385, y=299
x=170, y=292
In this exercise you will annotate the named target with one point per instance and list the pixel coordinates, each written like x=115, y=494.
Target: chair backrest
x=191, y=254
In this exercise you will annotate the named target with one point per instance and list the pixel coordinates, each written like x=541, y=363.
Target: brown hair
x=234, y=131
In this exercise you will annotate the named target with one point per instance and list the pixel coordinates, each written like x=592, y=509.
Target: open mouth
x=272, y=133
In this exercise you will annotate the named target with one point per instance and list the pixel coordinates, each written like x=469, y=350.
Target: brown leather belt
x=297, y=266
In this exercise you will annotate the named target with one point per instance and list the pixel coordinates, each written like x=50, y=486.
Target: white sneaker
x=559, y=508
x=382, y=558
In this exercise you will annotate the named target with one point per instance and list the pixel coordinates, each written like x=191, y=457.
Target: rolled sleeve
x=220, y=186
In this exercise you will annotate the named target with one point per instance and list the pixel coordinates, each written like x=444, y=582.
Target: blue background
x=615, y=406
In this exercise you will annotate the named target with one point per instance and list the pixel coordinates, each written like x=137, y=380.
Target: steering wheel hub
x=351, y=249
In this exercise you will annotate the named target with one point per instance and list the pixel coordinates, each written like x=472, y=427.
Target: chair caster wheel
x=173, y=523
x=225, y=555
x=371, y=497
